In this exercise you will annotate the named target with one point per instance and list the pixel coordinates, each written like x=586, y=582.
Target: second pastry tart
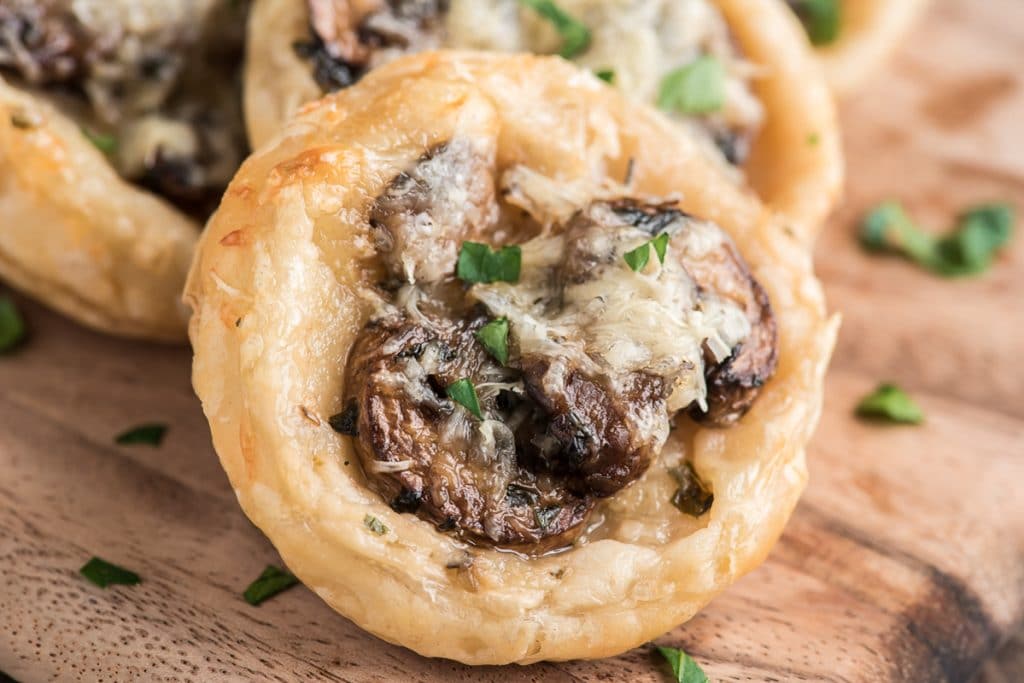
x=502, y=363
x=736, y=72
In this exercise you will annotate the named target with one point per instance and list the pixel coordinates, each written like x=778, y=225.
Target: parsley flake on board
x=684, y=668
x=638, y=258
x=822, y=19
x=272, y=581
x=606, y=75
x=103, y=574
x=464, y=393
x=889, y=402
x=697, y=88
x=479, y=263
x=147, y=434
x=575, y=34
x=12, y=325
x=494, y=337
x=969, y=249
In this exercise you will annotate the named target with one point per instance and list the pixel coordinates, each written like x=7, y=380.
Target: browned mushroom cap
x=426, y=454
x=350, y=37
x=426, y=212
x=582, y=430
x=734, y=383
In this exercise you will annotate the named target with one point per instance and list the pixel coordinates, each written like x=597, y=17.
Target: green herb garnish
x=889, y=402
x=813, y=140
x=606, y=75
x=822, y=19
x=692, y=497
x=272, y=581
x=697, y=88
x=968, y=249
x=374, y=525
x=637, y=258
x=12, y=325
x=575, y=34
x=148, y=434
x=494, y=337
x=103, y=142
x=104, y=574
x=684, y=668
x=479, y=263
x=464, y=393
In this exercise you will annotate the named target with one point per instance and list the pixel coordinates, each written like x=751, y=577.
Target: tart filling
x=153, y=84
x=648, y=48
x=501, y=391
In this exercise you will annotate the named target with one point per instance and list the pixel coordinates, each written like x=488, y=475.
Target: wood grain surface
x=904, y=561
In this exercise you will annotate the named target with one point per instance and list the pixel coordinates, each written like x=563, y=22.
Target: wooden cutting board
x=904, y=562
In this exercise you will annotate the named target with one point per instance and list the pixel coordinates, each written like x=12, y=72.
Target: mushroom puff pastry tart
x=120, y=126
x=502, y=364
x=854, y=37
x=736, y=73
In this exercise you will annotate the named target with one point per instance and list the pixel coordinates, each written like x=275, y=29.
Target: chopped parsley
x=575, y=34
x=103, y=142
x=692, y=497
x=968, y=249
x=374, y=525
x=148, y=434
x=103, y=574
x=494, y=337
x=697, y=88
x=889, y=402
x=638, y=258
x=12, y=325
x=479, y=263
x=822, y=19
x=684, y=668
x=464, y=393
x=606, y=75
x=272, y=581
x=813, y=140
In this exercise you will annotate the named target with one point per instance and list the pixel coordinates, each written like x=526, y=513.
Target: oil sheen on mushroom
x=602, y=357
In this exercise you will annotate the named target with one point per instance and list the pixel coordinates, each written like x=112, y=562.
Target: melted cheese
x=641, y=41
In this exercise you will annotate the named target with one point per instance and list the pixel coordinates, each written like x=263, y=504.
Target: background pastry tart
x=737, y=73
x=502, y=363
x=852, y=38
x=120, y=125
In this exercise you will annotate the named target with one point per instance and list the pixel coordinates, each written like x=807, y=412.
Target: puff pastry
x=341, y=225
x=119, y=128
x=777, y=120
x=869, y=31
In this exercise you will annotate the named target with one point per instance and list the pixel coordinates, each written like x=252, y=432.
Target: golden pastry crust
x=872, y=29
x=275, y=294
x=80, y=238
x=796, y=163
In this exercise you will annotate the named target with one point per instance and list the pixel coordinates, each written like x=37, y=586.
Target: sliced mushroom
x=719, y=271
x=350, y=37
x=425, y=213
x=426, y=454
